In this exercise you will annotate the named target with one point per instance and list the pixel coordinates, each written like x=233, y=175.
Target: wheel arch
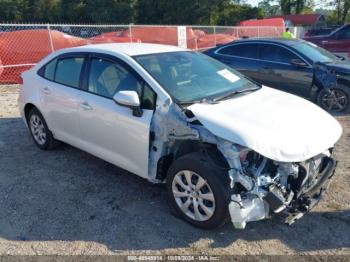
x=30, y=105
x=181, y=148
x=27, y=108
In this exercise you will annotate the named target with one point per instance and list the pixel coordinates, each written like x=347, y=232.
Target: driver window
x=274, y=53
x=107, y=78
x=344, y=34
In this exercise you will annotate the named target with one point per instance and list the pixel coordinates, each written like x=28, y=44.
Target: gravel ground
x=69, y=202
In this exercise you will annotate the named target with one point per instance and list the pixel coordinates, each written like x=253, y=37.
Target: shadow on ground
x=69, y=195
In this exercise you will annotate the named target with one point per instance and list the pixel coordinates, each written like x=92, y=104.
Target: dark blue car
x=291, y=65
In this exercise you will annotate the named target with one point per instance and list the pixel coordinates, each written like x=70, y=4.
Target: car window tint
x=274, y=53
x=344, y=34
x=106, y=78
x=241, y=50
x=49, y=72
x=68, y=71
x=148, y=100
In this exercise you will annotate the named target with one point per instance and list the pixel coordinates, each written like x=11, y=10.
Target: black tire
x=215, y=176
x=49, y=142
x=340, y=96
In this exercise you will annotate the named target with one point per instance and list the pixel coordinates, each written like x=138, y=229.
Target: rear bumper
x=311, y=196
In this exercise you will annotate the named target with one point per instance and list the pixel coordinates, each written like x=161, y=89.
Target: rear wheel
x=41, y=134
x=335, y=100
x=198, y=192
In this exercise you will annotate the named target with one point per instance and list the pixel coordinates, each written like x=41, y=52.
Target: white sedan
x=226, y=147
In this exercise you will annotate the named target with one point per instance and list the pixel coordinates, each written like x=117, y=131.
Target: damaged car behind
x=291, y=65
x=226, y=147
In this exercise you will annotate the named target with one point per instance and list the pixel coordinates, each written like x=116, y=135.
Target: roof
x=132, y=49
x=284, y=41
x=304, y=19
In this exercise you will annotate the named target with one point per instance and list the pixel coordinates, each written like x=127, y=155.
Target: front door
x=110, y=131
x=278, y=72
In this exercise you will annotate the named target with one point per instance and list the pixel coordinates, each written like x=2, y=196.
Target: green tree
x=112, y=11
x=296, y=6
x=203, y=12
x=10, y=10
x=72, y=11
x=233, y=14
x=270, y=8
x=337, y=11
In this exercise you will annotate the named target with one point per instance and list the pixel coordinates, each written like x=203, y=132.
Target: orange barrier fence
x=22, y=46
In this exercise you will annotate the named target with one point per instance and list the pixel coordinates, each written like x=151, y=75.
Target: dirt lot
x=68, y=202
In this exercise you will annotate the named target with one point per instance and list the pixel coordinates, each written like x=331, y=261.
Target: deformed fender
x=323, y=76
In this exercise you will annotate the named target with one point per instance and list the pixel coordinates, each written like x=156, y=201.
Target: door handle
x=85, y=105
x=46, y=90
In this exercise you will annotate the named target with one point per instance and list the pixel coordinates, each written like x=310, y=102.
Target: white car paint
x=103, y=131
x=278, y=125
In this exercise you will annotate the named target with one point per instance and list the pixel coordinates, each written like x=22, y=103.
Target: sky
x=256, y=2
x=253, y=2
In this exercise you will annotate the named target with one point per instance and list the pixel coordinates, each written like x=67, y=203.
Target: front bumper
x=311, y=196
x=306, y=196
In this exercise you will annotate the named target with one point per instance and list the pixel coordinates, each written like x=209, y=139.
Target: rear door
x=59, y=93
x=242, y=57
x=278, y=72
x=111, y=131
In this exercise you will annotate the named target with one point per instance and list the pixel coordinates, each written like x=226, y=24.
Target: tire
x=39, y=130
x=216, y=187
x=335, y=102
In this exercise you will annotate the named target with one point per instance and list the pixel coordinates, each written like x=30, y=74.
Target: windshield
x=315, y=53
x=191, y=76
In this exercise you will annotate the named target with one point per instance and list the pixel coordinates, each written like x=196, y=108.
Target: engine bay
x=273, y=187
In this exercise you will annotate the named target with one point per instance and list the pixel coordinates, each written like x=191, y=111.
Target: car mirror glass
x=129, y=99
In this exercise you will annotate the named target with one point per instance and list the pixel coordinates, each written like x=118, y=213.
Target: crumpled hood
x=278, y=125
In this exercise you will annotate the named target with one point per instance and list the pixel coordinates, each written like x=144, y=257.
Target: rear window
x=68, y=71
x=49, y=71
x=65, y=71
x=241, y=50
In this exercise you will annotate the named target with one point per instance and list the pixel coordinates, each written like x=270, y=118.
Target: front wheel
x=198, y=192
x=336, y=100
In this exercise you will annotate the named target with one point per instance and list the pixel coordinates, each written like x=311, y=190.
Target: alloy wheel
x=335, y=101
x=193, y=195
x=38, y=129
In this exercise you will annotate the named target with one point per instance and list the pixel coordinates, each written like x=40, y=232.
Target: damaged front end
x=259, y=185
x=262, y=186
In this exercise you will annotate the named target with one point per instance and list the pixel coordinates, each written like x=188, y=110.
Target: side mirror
x=129, y=99
x=298, y=63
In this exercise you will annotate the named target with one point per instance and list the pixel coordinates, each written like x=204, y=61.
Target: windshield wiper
x=231, y=94
x=203, y=100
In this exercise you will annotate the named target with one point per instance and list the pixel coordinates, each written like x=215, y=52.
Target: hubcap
x=38, y=129
x=193, y=195
x=336, y=100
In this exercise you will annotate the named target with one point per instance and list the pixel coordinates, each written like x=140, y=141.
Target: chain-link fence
x=23, y=45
